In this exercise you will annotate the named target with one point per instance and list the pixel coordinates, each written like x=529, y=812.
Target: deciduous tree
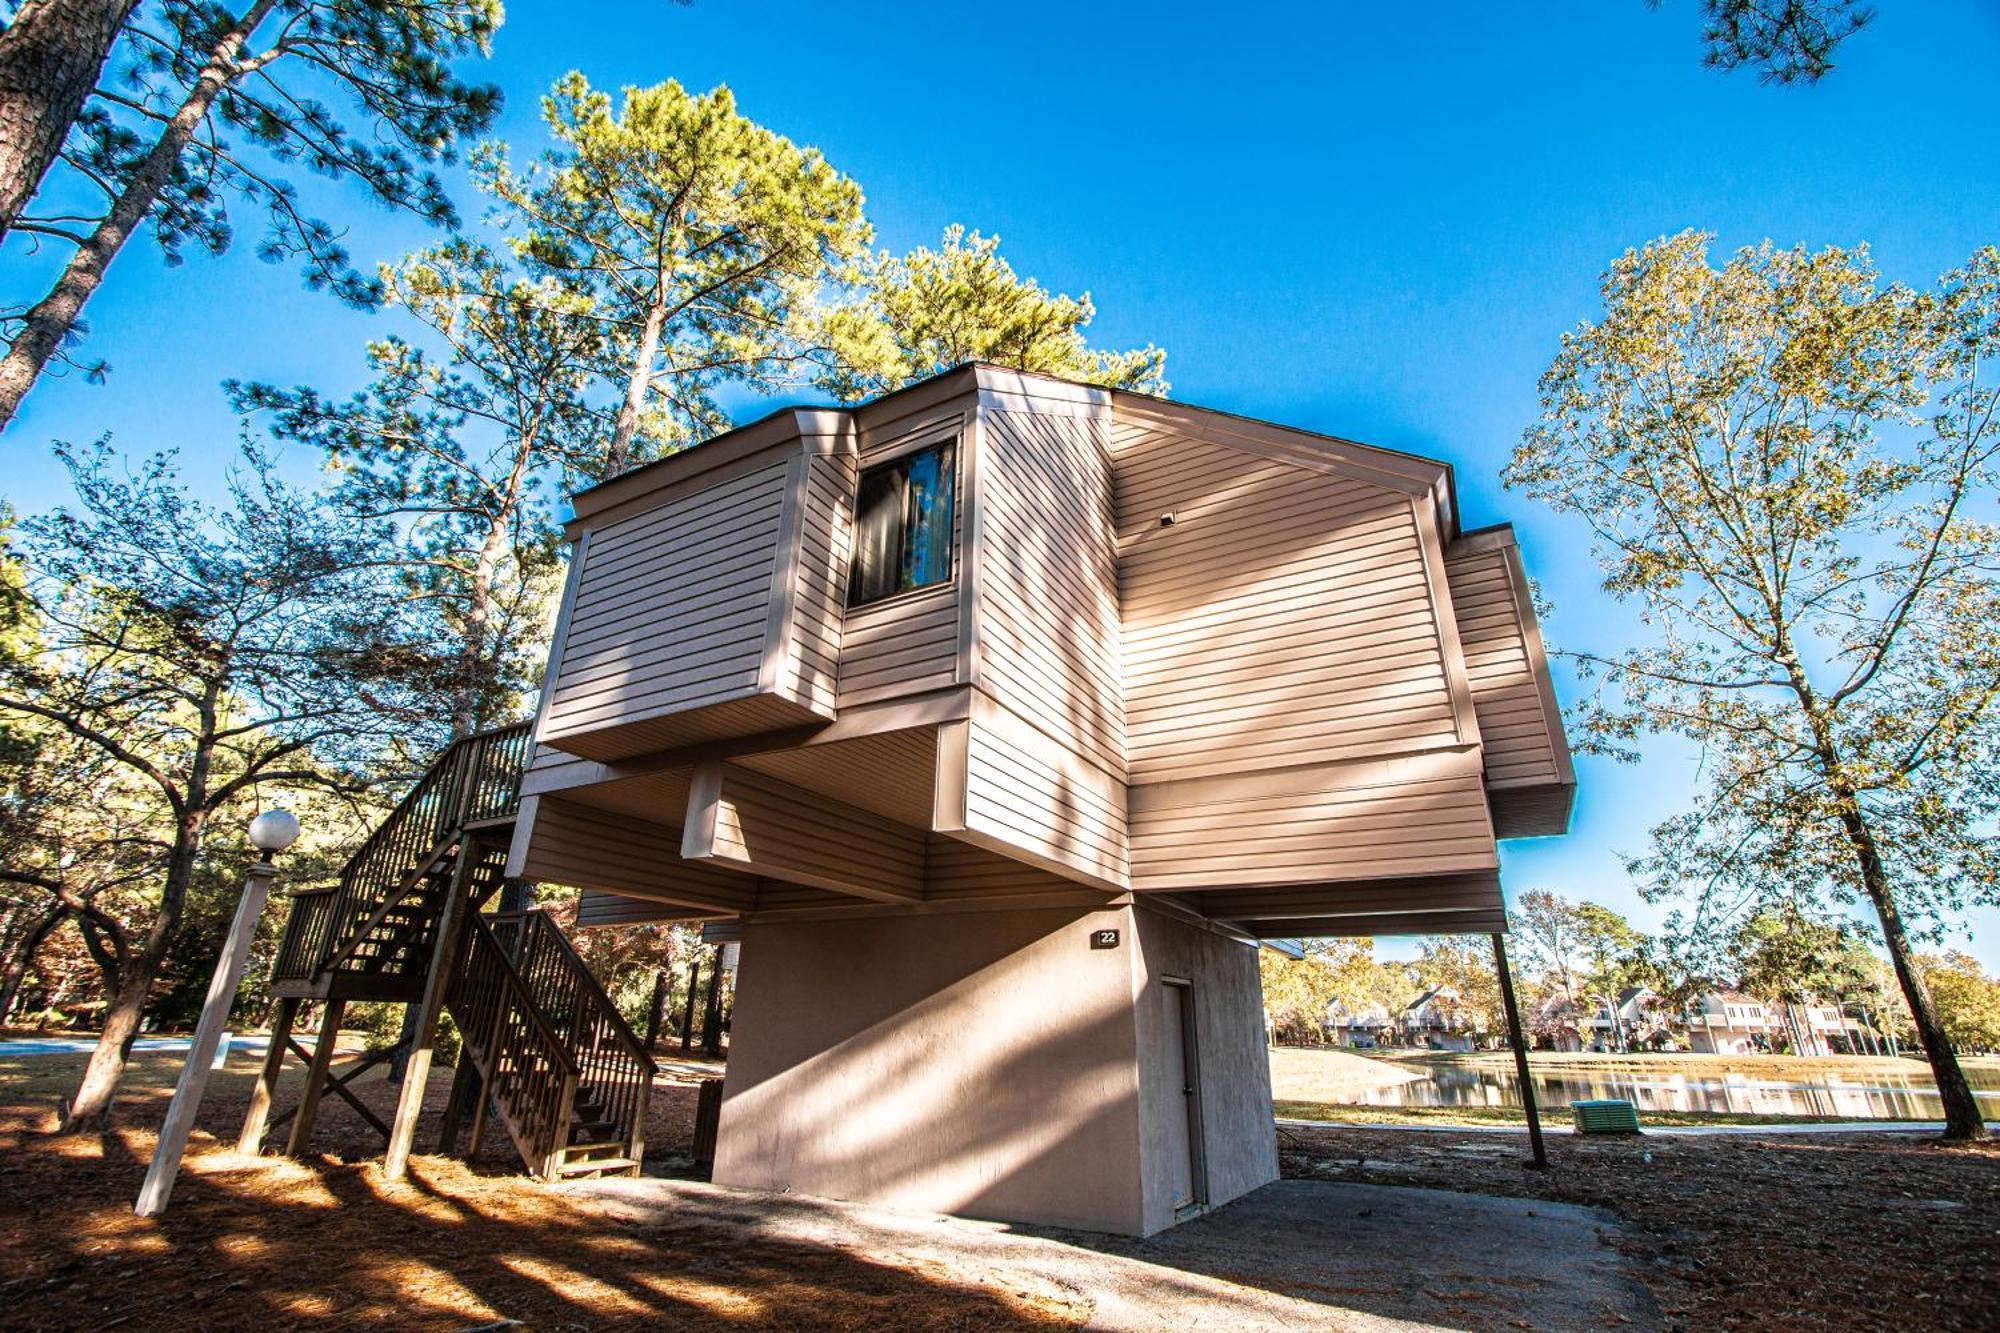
x=1968, y=1001
x=1789, y=467
x=205, y=654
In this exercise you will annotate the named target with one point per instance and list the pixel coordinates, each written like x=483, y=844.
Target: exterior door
x=1182, y=1058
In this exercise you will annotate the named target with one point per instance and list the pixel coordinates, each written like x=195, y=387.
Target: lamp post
x=270, y=832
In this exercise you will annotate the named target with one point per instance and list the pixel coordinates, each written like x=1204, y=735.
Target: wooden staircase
x=566, y=1074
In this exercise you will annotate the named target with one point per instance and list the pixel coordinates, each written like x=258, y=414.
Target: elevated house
x=1729, y=1023
x=1439, y=1018
x=997, y=719
x=1363, y=1028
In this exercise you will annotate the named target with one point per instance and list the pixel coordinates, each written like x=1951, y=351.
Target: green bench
x=1611, y=1116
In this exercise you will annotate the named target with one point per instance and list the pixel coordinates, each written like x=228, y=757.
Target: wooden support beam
x=1541, y=1162
x=465, y=1084
x=337, y=1085
x=307, y=1114
x=251, y=1140
x=444, y=957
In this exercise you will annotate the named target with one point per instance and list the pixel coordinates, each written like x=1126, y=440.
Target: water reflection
x=1873, y=1097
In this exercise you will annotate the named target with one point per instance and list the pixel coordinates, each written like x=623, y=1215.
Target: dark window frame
x=863, y=593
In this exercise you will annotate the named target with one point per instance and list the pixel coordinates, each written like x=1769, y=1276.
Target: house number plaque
x=1103, y=939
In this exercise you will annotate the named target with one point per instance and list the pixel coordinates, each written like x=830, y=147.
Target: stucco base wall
x=1239, y=1142
x=988, y=1064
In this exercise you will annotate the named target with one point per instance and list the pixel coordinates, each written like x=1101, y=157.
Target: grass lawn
x=1556, y=1119
x=1682, y=1062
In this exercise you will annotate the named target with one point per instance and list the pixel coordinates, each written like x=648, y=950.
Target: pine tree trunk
x=50, y=57
x=1961, y=1108
x=619, y=454
x=54, y=316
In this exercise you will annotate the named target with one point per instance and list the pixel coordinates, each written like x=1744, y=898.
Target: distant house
x=1440, y=1019
x=1362, y=1029
x=1732, y=1023
x=1728, y=1023
x=1635, y=1019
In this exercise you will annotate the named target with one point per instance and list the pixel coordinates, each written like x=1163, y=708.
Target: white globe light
x=274, y=830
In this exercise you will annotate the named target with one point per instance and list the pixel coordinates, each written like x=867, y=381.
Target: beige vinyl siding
x=1477, y=891
x=889, y=774
x=1423, y=815
x=598, y=908
x=588, y=848
x=826, y=538
x=787, y=833
x=1521, y=749
x=1048, y=592
x=959, y=872
x=1028, y=797
x=670, y=610
x=1286, y=617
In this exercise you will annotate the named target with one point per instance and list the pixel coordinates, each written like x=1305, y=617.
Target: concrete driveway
x=1295, y=1254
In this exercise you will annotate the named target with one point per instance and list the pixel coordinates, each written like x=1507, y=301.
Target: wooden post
x=166, y=1165
x=1541, y=1162
x=252, y=1138
x=464, y=1081
x=444, y=955
x=308, y=1112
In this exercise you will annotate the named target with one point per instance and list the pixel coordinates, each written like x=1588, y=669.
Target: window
x=902, y=525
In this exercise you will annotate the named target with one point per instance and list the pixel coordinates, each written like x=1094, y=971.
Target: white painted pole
x=179, y=1124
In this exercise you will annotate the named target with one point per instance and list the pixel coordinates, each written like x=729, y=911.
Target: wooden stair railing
x=369, y=921
x=614, y=1070
x=569, y=1077
x=529, y=1076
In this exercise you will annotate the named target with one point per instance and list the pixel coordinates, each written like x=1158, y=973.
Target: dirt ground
x=1864, y=1231
x=1827, y=1232
x=329, y=1243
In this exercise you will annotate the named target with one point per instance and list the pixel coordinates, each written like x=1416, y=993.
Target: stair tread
x=577, y=1168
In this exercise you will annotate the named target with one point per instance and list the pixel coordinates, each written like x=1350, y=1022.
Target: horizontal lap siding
x=1419, y=823
x=670, y=608
x=955, y=871
x=600, y=849
x=1506, y=694
x=826, y=547
x=598, y=908
x=787, y=833
x=1284, y=618
x=1050, y=805
x=905, y=646
x=1049, y=629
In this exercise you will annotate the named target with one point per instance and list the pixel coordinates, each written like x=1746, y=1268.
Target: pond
x=1868, y=1096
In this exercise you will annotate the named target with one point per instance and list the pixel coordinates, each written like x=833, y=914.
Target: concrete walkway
x=1295, y=1254
x=1550, y=1126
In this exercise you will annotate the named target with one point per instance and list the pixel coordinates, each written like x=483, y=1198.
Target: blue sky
x=1373, y=220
